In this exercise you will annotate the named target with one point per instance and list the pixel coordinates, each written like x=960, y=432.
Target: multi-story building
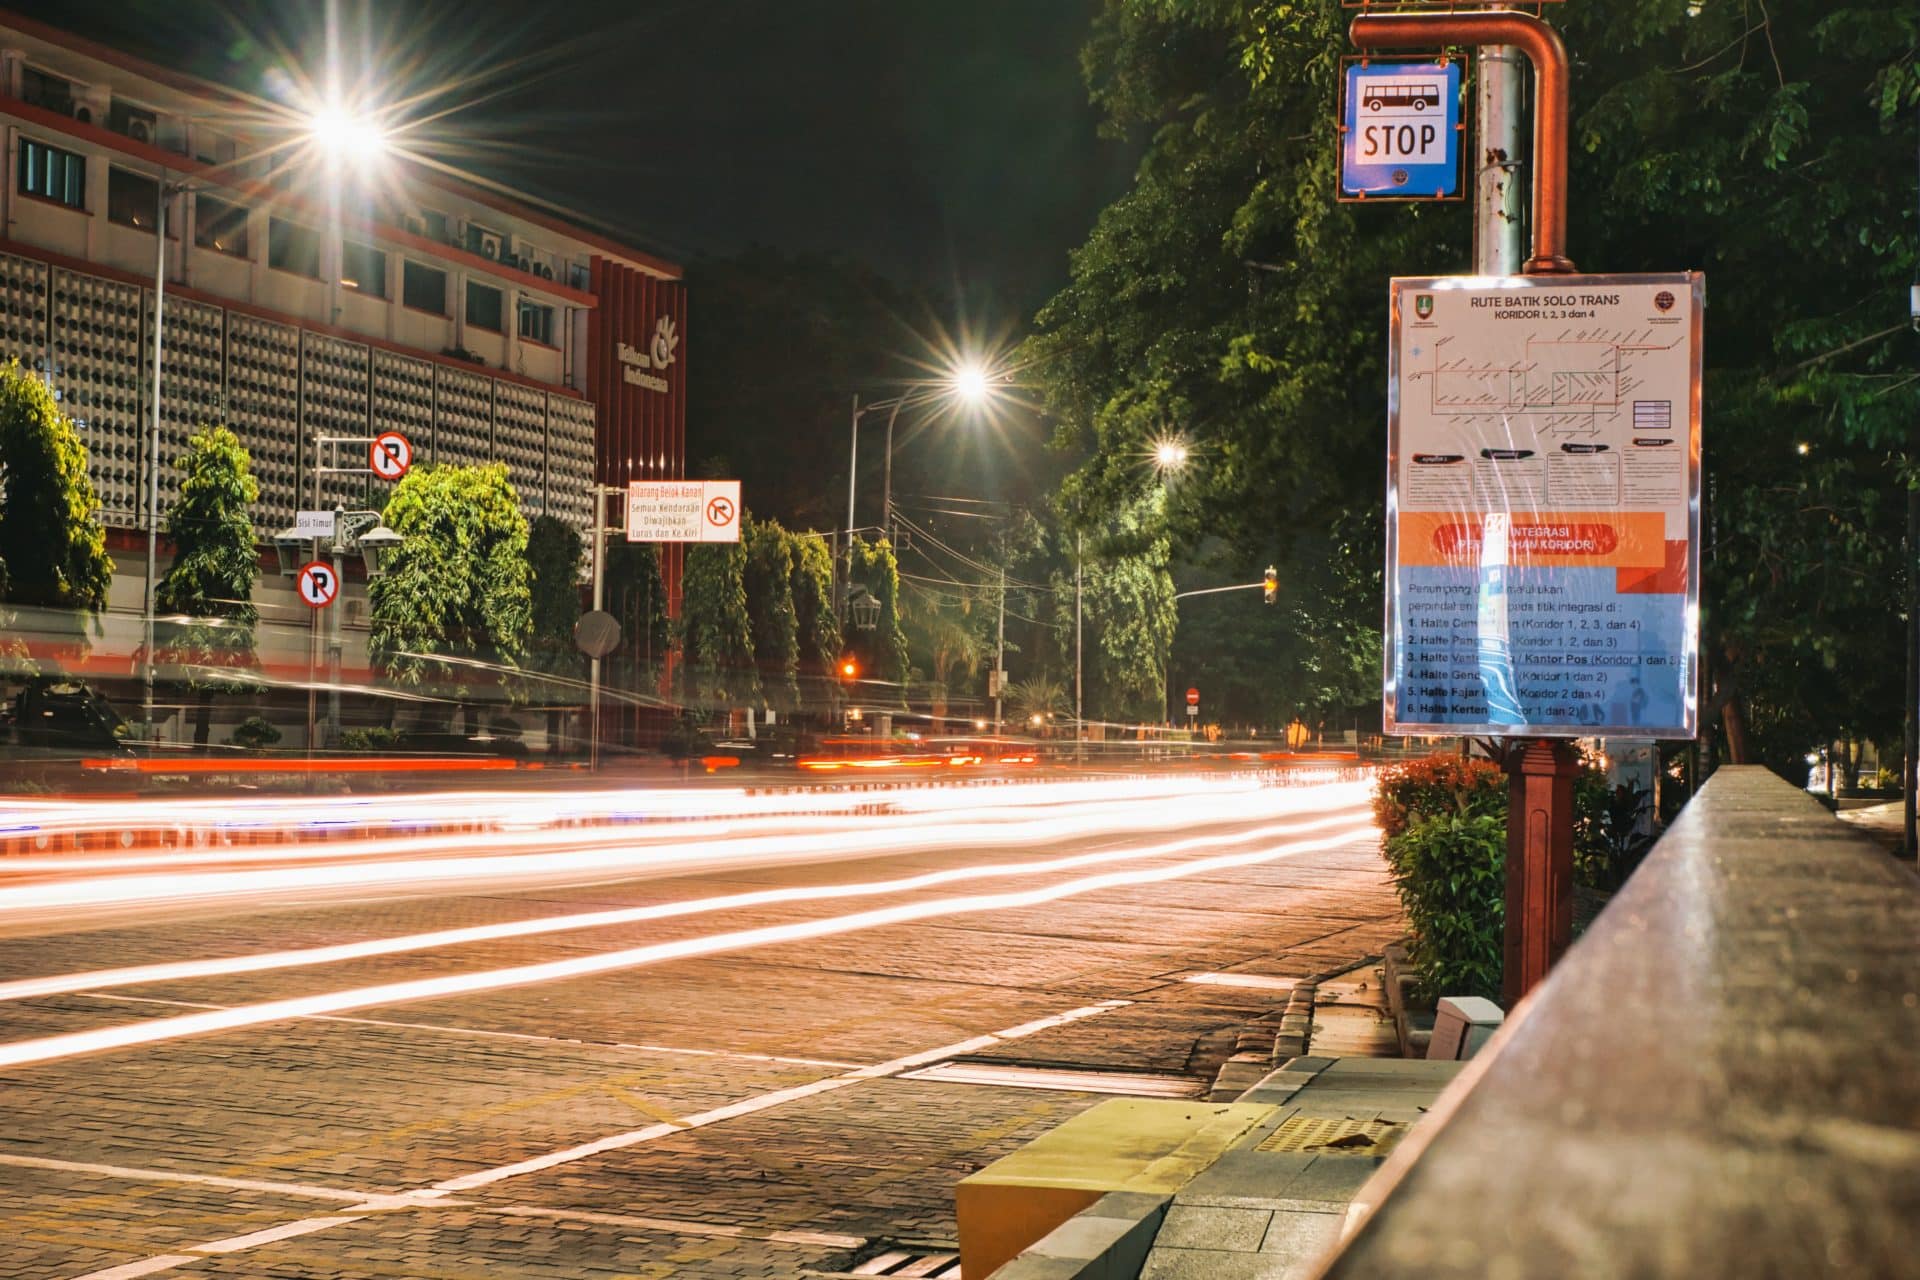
x=304, y=302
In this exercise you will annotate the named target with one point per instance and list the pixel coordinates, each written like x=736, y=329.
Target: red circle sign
x=1193, y=697
x=390, y=455
x=317, y=584
x=720, y=512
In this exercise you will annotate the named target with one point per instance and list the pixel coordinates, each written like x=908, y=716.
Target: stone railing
x=1721, y=1079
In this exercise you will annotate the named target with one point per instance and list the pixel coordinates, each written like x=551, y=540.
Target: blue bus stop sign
x=1402, y=138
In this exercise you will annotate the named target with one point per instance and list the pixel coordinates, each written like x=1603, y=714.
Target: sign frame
x=696, y=522
x=300, y=579
x=1423, y=183
x=308, y=525
x=1693, y=283
x=378, y=449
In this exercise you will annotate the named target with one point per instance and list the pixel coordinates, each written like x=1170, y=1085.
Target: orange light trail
x=26, y=988
x=51, y=1048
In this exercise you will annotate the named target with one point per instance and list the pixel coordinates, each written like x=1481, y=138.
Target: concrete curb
x=1108, y=1240
x=1269, y=1040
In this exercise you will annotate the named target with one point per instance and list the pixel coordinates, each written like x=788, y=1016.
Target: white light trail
x=56, y=984
x=51, y=1048
x=906, y=834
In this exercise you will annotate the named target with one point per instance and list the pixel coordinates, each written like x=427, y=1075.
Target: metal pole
x=153, y=443
x=1910, y=766
x=313, y=626
x=886, y=482
x=334, y=611
x=1079, y=704
x=1000, y=653
x=1496, y=219
x=599, y=602
x=853, y=470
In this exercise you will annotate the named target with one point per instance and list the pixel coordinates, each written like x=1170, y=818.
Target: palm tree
x=953, y=641
x=1042, y=697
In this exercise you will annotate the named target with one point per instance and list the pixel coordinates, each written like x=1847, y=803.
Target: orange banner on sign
x=1612, y=539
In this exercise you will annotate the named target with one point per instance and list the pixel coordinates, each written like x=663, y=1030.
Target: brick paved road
x=746, y=1113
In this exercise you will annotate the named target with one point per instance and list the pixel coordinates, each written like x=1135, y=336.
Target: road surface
x=760, y=1044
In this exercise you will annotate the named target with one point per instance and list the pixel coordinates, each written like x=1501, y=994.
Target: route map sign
x=1400, y=137
x=683, y=511
x=1543, y=506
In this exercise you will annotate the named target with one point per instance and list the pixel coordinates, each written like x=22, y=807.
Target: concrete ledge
x=1108, y=1240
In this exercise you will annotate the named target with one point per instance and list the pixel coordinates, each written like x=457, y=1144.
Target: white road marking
x=292, y=1189
x=675, y=1050
x=1256, y=981
x=437, y=1194
x=50, y=1048
x=678, y=1226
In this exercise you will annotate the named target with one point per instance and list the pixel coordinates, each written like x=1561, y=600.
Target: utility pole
x=1000, y=653
x=153, y=447
x=1496, y=213
x=1079, y=704
x=853, y=471
x=1910, y=767
x=599, y=603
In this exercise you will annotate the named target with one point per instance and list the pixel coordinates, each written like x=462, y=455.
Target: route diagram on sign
x=1569, y=384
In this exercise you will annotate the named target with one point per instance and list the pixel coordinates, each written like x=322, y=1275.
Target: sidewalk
x=1886, y=823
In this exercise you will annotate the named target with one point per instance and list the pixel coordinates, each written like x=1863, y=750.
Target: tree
x=776, y=633
x=455, y=599
x=53, y=554
x=948, y=628
x=814, y=620
x=555, y=555
x=636, y=594
x=716, y=630
x=883, y=650
x=209, y=586
x=1230, y=298
x=1129, y=613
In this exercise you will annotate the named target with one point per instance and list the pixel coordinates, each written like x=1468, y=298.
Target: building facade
x=303, y=301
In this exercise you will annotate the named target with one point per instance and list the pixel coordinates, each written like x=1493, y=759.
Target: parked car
x=62, y=713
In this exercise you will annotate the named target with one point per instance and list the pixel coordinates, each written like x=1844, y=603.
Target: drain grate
x=911, y=1262
x=961, y=1071
x=1334, y=1136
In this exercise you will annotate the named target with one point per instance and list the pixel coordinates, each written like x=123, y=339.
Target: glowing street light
x=972, y=384
x=1170, y=454
x=345, y=134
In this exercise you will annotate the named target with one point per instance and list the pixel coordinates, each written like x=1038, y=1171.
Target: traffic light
x=1271, y=585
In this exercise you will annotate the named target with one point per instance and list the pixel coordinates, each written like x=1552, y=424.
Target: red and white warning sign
x=318, y=584
x=390, y=455
x=683, y=511
x=1193, y=697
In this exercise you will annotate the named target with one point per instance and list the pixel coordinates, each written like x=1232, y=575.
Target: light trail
x=524, y=835
x=52, y=1048
x=927, y=832
x=57, y=984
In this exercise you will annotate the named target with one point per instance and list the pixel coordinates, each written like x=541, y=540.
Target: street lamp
x=969, y=383
x=337, y=130
x=1169, y=454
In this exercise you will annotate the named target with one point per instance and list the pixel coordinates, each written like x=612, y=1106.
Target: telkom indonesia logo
x=664, y=342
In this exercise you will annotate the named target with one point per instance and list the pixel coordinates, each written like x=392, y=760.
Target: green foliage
x=1607, y=842
x=636, y=594
x=253, y=733
x=52, y=552
x=948, y=628
x=556, y=553
x=1229, y=297
x=371, y=738
x=770, y=563
x=455, y=598
x=815, y=625
x=716, y=630
x=1437, y=785
x=1041, y=696
x=208, y=589
x=1129, y=612
x=1450, y=869
x=883, y=651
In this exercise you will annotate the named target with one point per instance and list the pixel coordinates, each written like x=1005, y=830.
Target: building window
x=292, y=247
x=363, y=268
x=135, y=122
x=210, y=147
x=435, y=224
x=536, y=322
x=132, y=199
x=53, y=174
x=39, y=89
x=220, y=226
x=580, y=276
x=483, y=307
x=423, y=288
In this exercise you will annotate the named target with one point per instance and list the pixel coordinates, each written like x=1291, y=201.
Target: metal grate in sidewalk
x=1334, y=1136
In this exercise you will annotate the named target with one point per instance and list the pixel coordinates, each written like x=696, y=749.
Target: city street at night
x=752, y=1044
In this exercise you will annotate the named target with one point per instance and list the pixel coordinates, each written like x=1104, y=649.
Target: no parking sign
x=390, y=455
x=318, y=584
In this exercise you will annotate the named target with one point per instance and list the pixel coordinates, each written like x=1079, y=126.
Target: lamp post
x=969, y=383
x=336, y=131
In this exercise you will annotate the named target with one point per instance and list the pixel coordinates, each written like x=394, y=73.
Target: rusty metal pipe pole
x=1543, y=47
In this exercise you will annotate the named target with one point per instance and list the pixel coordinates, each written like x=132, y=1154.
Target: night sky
x=948, y=145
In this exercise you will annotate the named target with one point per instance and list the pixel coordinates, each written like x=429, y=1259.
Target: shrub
x=1450, y=870
x=1435, y=785
x=372, y=738
x=253, y=733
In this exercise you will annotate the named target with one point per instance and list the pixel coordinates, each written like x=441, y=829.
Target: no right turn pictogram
x=720, y=513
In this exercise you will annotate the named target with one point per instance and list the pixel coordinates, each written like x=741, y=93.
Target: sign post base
x=1539, y=925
